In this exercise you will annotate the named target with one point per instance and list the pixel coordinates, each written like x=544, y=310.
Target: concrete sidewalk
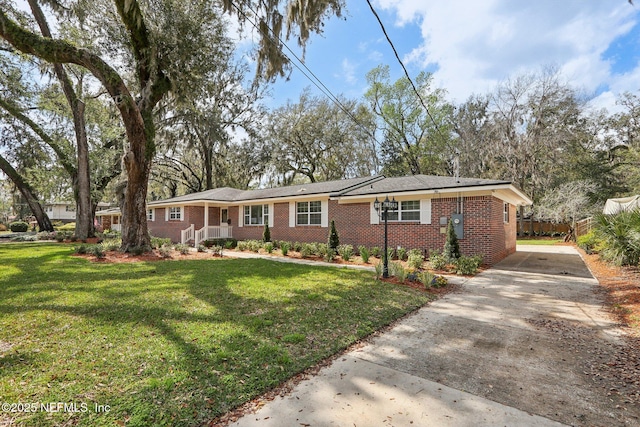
x=477, y=357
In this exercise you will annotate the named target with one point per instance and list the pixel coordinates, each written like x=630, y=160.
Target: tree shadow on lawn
x=176, y=343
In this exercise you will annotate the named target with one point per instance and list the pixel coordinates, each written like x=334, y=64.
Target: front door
x=224, y=218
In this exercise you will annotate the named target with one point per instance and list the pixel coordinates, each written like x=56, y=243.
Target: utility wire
x=317, y=82
x=406, y=73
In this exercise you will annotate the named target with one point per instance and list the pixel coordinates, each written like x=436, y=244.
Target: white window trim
x=167, y=214
x=399, y=211
x=151, y=211
x=506, y=212
x=269, y=215
x=425, y=214
x=308, y=213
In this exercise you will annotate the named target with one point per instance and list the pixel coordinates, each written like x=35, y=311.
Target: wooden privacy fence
x=583, y=226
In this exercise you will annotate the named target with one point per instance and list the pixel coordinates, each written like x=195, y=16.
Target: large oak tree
x=148, y=50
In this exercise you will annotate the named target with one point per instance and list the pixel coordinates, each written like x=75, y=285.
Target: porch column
x=206, y=214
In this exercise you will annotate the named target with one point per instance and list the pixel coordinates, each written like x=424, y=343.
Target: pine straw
x=622, y=288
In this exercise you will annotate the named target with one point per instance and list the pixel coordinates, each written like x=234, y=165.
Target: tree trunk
x=84, y=218
x=44, y=223
x=135, y=233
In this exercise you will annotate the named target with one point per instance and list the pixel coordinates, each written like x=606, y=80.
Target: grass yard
x=171, y=342
x=539, y=241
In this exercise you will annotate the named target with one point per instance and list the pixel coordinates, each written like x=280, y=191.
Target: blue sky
x=470, y=46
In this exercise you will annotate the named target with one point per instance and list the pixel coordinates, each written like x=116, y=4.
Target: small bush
x=19, y=226
x=329, y=255
x=427, y=278
x=334, y=240
x=398, y=271
x=111, y=244
x=378, y=269
x=296, y=247
x=437, y=260
x=451, y=246
x=415, y=258
x=467, y=265
x=182, y=248
x=364, y=254
x=82, y=249
x=96, y=251
x=266, y=234
x=284, y=248
x=268, y=247
x=440, y=282
x=375, y=252
x=158, y=242
x=306, y=250
x=216, y=250
x=588, y=241
x=390, y=253
x=165, y=251
x=71, y=226
x=139, y=250
x=46, y=235
x=230, y=244
x=3, y=227
x=402, y=253
x=345, y=251
x=202, y=248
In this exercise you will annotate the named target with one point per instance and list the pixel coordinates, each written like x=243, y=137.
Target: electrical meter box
x=458, y=225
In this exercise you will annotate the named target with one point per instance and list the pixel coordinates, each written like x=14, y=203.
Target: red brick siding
x=485, y=232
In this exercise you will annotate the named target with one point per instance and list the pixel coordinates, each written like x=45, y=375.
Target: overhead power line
x=316, y=81
x=406, y=73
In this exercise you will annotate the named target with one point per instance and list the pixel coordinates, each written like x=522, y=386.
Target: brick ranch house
x=484, y=211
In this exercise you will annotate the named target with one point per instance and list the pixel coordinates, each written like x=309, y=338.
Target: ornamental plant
x=334, y=240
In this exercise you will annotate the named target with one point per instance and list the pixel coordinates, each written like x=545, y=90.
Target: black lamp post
x=383, y=209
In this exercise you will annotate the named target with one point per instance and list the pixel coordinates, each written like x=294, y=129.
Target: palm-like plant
x=620, y=237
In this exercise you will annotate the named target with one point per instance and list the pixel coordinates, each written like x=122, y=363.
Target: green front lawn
x=172, y=342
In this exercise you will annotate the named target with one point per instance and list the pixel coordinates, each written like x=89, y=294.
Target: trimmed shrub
x=158, y=242
x=376, y=251
x=165, y=251
x=202, y=248
x=402, y=253
x=266, y=234
x=19, y=226
x=306, y=250
x=268, y=247
x=182, y=248
x=334, y=240
x=451, y=246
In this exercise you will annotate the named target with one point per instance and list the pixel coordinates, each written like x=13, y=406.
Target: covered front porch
x=215, y=224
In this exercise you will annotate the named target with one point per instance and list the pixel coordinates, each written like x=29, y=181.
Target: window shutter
x=324, y=213
x=183, y=212
x=425, y=211
x=240, y=216
x=292, y=214
x=271, y=215
x=375, y=219
x=166, y=214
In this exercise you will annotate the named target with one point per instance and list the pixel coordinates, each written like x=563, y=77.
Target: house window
x=175, y=213
x=506, y=213
x=407, y=211
x=48, y=208
x=309, y=213
x=151, y=214
x=70, y=208
x=224, y=216
x=256, y=215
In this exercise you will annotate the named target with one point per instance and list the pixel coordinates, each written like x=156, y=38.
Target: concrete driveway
x=512, y=348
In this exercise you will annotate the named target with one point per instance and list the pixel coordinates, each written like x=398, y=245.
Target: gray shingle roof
x=345, y=187
x=420, y=183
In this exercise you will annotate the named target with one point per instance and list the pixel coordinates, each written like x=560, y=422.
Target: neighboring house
x=485, y=210
x=65, y=211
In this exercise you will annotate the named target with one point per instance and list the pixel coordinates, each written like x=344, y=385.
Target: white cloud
x=476, y=44
x=348, y=72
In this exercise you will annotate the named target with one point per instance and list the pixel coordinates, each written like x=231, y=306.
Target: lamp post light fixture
x=382, y=209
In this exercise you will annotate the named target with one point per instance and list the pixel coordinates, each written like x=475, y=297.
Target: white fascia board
x=285, y=199
x=508, y=193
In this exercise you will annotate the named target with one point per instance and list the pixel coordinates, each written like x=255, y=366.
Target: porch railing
x=188, y=234
x=206, y=233
x=116, y=227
